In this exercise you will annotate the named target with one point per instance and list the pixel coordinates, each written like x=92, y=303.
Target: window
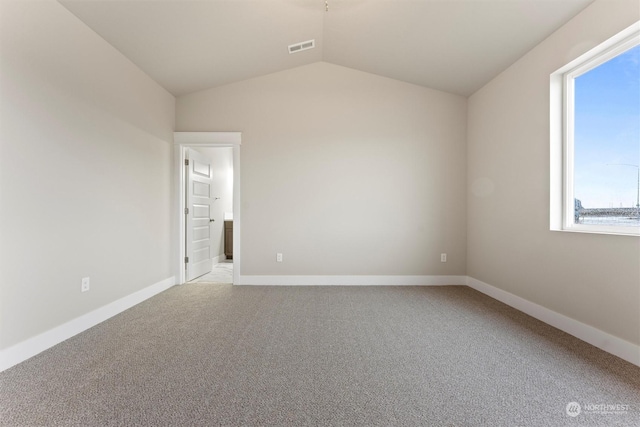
x=595, y=139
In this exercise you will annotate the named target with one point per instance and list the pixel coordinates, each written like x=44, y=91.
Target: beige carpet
x=202, y=355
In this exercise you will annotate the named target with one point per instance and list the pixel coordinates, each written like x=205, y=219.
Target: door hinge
x=186, y=162
x=186, y=260
x=186, y=211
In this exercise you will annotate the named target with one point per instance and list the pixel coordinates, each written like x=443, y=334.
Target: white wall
x=344, y=172
x=594, y=279
x=85, y=172
x=222, y=165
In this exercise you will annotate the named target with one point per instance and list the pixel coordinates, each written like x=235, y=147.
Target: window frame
x=562, y=207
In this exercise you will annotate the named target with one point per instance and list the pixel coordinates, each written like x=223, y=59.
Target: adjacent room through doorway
x=208, y=214
x=207, y=204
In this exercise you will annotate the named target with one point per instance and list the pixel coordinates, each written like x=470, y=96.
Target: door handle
x=211, y=220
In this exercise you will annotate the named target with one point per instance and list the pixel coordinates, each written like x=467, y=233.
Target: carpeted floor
x=208, y=355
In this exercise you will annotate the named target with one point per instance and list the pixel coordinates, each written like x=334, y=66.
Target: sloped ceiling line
x=453, y=46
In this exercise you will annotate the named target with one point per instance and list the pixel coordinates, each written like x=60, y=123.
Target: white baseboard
x=353, y=280
x=218, y=259
x=603, y=340
x=32, y=346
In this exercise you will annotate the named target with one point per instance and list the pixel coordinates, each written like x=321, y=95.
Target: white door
x=198, y=215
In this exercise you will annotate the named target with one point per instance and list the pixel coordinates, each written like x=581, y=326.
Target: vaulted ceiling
x=452, y=45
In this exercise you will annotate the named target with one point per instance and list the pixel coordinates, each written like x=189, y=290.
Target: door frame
x=182, y=141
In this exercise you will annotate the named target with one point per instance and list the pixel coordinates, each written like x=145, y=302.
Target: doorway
x=224, y=203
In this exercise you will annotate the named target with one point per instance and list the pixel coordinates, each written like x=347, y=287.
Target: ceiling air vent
x=299, y=47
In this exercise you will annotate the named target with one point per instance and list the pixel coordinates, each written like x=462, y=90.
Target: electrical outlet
x=278, y=257
x=443, y=257
x=85, y=284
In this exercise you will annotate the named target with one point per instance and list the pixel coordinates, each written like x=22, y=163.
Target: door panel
x=201, y=211
x=201, y=189
x=200, y=233
x=202, y=168
x=199, y=198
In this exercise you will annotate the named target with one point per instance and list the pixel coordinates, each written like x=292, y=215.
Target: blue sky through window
x=607, y=132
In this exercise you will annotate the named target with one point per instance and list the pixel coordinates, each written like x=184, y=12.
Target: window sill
x=615, y=231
